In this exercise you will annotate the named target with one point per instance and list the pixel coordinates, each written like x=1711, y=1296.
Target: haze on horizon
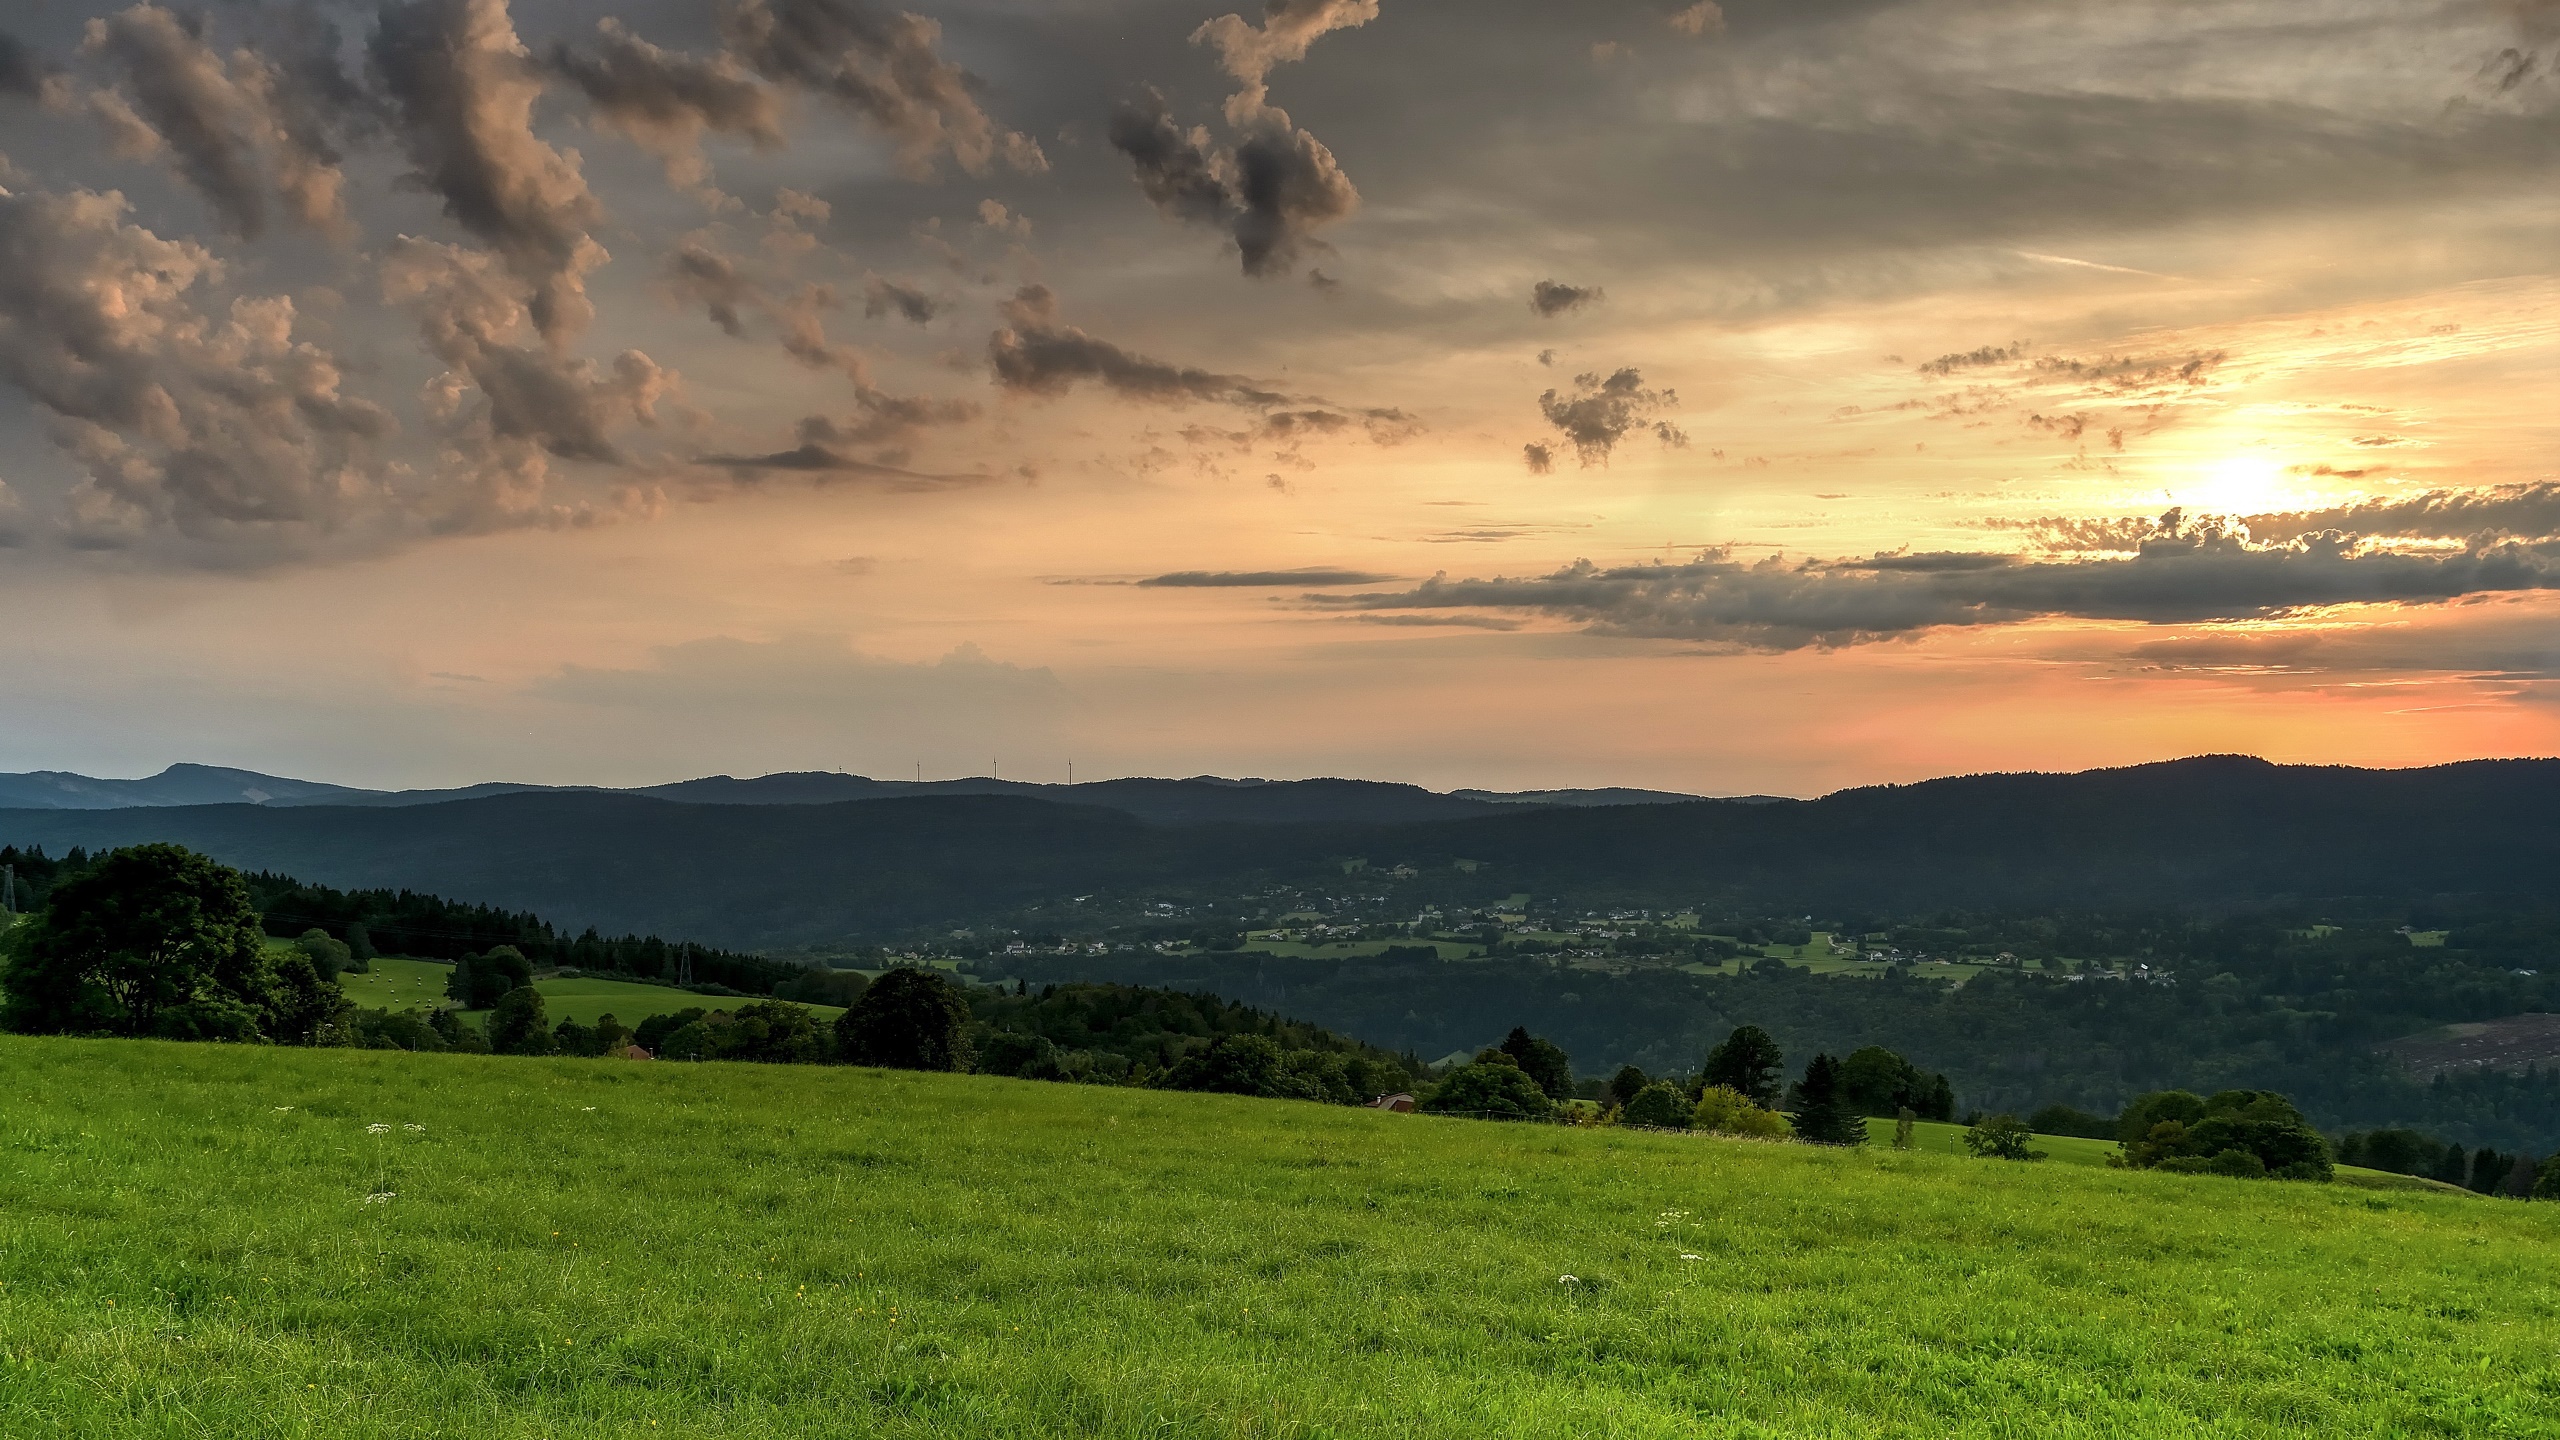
x=1770, y=396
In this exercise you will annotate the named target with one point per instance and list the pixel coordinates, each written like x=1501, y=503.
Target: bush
x=1658, y=1106
x=2001, y=1137
x=330, y=957
x=2065, y=1120
x=2175, y=1126
x=1489, y=1090
x=1723, y=1110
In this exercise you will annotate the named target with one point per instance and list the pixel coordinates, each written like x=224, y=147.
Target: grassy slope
x=401, y=984
x=1935, y=1138
x=582, y=1249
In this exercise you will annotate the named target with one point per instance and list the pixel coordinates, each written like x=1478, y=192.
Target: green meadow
x=1931, y=1137
x=226, y=1241
x=402, y=984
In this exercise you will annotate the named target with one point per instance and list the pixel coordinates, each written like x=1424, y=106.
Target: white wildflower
x=415, y=1129
x=377, y=1128
x=587, y=1109
x=1568, y=1279
x=282, y=1108
x=381, y=1197
x=1685, y=1255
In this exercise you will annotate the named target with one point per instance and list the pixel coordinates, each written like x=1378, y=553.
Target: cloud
x=665, y=102
x=1260, y=579
x=225, y=123
x=1703, y=18
x=886, y=67
x=1384, y=426
x=1550, y=298
x=1270, y=191
x=2191, y=577
x=200, y=423
x=506, y=409
x=1540, y=459
x=2527, y=511
x=1250, y=52
x=22, y=71
x=1975, y=359
x=1599, y=412
x=882, y=297
x=463, y=89
x=1037, y=355
x=816, y=677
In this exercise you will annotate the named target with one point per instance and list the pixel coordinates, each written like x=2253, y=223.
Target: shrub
x=1723, y=1110
x=1658, y=1106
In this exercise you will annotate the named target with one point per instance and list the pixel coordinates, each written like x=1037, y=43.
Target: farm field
x=1355, y=949
x=218, y=1240
x=400, y=984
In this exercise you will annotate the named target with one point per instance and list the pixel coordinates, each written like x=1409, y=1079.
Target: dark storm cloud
x=1035, y=354
x=1260, y=579
x=1550, y=298
x=886, y=66
x=463, y=92
x=1598, y=412
x=1773, y=605
x=1540, y=459
x=665, y=101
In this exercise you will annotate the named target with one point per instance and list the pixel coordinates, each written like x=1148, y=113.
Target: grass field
x=400, y=984
x=1934, y=1138
x=207, y=1241
x=1356, y=949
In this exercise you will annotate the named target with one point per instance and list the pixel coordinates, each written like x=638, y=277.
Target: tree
x=478, y=981
x=1749, y=1062
x=360, y=951
x=1658, y=1106
x=1489, y=1090
x=2520, y=1179
x=2546, y=1180
x=822, y=986
x=1624, y=1085
x=2001, y=1137
x=1823, y=1114
x=1903, y=1121
x=2488, y=1168
x=152, y=940
x=774, y=1032
x=1723, y=1110
x=330, y=957
x=2189, y=1133
x=1541, y=1060
x=2065, y=1120
x=654, y=1029
x=517, y=1025
x=1875, y=1081
x=908, y=1020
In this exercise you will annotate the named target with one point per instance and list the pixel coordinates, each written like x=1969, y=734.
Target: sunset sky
x=1514, y=393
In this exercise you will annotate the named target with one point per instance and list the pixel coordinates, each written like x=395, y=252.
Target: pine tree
x=1824, y=1114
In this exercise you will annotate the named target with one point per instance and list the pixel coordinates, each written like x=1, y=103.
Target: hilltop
x=372, y=1244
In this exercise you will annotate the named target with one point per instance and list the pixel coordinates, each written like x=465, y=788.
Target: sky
x=1759, y=397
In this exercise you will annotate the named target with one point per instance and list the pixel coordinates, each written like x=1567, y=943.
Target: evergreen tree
x=1625, y=1085
x=1823, y=1113
x=1748, y=1062
x=2488, y=1168
x=1541, y=1060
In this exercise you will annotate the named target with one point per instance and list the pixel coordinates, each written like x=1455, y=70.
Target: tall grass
x=208, y=1241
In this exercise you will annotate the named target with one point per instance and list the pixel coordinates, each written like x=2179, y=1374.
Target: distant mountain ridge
x=1199, y=800
x=2213, y=833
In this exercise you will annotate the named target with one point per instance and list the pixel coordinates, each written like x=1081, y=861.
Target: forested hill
x=2202, y=835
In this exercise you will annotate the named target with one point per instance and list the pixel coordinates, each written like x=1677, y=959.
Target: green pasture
x=1936, y=1138
x=249, y=1242
x=1357, y=949
x=402, y=984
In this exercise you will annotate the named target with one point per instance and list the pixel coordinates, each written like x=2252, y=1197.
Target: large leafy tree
x=908, y=1020
x=158, y=940
x=1750, y=1062
x=1489, y=1090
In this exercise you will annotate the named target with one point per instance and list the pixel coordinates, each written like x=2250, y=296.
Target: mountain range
x=1202, y=799
x=2208, y=834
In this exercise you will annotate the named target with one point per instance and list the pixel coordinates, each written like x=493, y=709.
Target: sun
x=2238, y=485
